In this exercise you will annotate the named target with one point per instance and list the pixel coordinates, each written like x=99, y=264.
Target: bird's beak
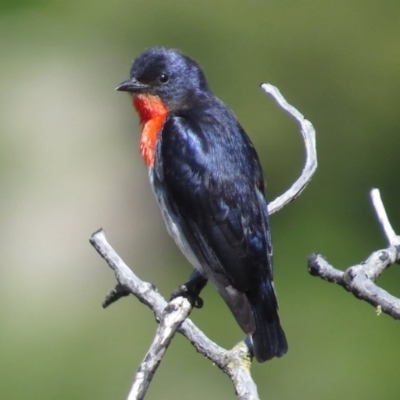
x=131, y=85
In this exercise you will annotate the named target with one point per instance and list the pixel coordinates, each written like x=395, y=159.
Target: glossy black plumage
x=209, y=184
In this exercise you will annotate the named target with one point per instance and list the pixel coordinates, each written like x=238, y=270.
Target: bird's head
x=167, y=74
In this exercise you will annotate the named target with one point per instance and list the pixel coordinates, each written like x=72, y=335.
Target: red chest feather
x=152, y=113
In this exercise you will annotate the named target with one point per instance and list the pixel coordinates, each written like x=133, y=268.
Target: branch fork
x=360, y=279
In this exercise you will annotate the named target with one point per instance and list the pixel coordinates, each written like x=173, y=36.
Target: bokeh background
x=70, y=164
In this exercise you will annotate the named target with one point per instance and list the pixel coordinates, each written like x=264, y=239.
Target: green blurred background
x=70, y=164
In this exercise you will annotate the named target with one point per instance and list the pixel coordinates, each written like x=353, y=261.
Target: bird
x=208, y=181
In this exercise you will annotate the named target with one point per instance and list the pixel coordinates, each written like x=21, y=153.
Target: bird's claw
x=189, y=292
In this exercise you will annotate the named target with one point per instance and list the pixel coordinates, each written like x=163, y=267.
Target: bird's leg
x=191, y=289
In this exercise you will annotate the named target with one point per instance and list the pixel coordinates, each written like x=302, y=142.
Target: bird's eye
x=163, y=78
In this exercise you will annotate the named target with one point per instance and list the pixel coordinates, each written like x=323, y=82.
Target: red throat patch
x=153, y=114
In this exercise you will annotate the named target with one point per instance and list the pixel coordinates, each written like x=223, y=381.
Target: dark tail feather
x=269, y=340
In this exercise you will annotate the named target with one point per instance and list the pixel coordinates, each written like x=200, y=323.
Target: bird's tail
x=269, y=340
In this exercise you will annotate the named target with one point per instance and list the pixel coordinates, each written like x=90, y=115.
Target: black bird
x=208, y=181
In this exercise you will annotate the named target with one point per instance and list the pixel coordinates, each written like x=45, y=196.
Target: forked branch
x=360, y=279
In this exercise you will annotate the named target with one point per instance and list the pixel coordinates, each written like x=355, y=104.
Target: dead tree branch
x=235, y=363
x=360, y=279
x=173, y=315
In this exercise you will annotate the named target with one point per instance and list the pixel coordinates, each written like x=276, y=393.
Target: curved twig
x=383, y=219
x=308, y=133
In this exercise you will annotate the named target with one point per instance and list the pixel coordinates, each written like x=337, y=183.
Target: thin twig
x=389, y=232
x=308, y=133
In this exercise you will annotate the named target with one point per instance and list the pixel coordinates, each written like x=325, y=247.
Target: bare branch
x=235, y=363
x=360, y=279
x=239, y=372
x=308, y=133
x=391, y=236
x=174, y=314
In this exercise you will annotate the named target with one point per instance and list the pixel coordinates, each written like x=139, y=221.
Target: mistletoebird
x=208, y=181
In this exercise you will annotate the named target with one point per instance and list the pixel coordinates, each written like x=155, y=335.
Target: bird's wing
x=211, y=189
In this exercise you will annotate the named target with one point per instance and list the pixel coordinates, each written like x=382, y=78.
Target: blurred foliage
x=69, y=164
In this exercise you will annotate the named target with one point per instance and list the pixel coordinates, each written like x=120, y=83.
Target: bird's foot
x=191, y=290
